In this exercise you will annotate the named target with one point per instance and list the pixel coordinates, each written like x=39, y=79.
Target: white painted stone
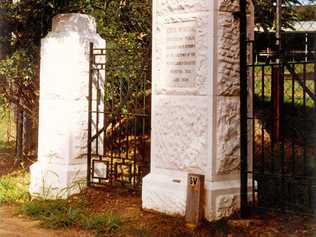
x=227, y=135
x=221, y=199
x=175, y=33
x=167, y=7
x=63, y=106
x=54, y=181
x=172, y=135
x=227, y=54
x=195, y=114
x=165, y=192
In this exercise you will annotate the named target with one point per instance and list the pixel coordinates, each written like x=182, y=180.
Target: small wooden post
x=194, y=203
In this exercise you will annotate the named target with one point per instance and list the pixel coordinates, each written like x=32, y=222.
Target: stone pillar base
x=165, y=193
x=55, y=181
x=222, y=198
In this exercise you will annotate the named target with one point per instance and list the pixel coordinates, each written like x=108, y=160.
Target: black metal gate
x=119, y=116
x=281, y=122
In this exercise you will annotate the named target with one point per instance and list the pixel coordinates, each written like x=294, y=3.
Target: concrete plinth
x=61, y=167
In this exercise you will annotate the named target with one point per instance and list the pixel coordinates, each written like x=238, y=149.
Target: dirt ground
x=12, y=225
x=128, y=206
x=139, y=223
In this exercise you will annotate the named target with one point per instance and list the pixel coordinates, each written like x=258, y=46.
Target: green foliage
x=61, y=214
x=53, y=213
x=292, y=10
x=127, y=22
x=265, y=11
x=123, y=23
x=102, y=223
x=306, y=13
x=14, y=188
x=288, y=87
x=18, y=65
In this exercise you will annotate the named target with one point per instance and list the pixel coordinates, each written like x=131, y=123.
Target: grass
x=298, y=67
x=54, y=213
x=63, y=214
x=293, y=92
x=102, y=223
x=51, y=213
x=14, y=188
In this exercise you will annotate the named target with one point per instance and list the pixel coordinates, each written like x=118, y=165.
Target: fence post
x=276, y=99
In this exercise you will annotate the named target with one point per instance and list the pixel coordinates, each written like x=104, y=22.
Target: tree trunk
x=30, y=134
x=19, y=133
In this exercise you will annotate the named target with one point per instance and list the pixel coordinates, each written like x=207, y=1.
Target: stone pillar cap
x=73, y=22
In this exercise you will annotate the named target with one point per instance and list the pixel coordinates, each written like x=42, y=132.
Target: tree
x=123, y=23
x=306, y=13
x=265, y=11
x=292, y=10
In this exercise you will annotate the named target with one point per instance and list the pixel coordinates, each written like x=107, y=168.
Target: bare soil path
x=12, y=225
x=139, y=223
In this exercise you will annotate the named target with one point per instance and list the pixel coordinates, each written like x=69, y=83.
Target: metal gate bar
x=119, y=116
x=283, y=122
x=284, y=166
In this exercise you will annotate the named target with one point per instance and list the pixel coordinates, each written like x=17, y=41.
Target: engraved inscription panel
x=180, y=54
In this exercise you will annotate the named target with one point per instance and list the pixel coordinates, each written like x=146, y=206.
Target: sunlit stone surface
x=61, y=167
x=195, y=113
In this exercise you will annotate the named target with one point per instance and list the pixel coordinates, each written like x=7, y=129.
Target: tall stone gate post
x=195, y=105
x=62, y=163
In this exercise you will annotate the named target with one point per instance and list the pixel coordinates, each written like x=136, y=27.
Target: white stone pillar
x=195, y=105
x=62, y=164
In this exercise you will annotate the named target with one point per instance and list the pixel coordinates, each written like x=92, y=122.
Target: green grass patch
x=63, y=214
x=298, y=67
x=53, y=213
x=14, y=188
x=293, y=92
x=102, y=223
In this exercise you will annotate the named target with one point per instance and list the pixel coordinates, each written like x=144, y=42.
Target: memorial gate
x=197, y=100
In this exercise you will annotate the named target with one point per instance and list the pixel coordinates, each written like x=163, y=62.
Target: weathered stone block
x=64, y=105
x=168, y=7
x=195, y=113
x=182, y=57
x=180, y=129
x=227, y=135
x=228, y=55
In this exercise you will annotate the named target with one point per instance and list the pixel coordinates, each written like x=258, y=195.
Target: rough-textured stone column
x=62, y=165
x=195, y=105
